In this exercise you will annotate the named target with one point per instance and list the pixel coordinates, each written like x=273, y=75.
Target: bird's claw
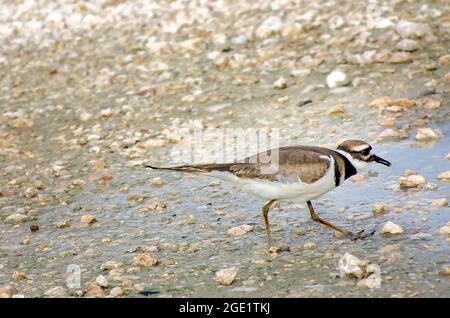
x=359, y=235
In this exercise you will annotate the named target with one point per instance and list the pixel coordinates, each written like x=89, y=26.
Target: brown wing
x=307, y=164
x=302, y=163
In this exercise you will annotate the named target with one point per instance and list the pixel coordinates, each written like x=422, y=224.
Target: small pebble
x=102, y=281
x=351, y=266
x=309, y=245
x=420, y=236
x=403, y=102
x=389, y=134
x=447, y=76
x=407, y=45
x=63, y=224
x=431, y=104
x=337, y=78
x=30, y=193
x=116, y=292
x=424, y=134
x=145, y=260
x=270, y=26
x=445, y=230
x=55, y=292
x=281, y=83
x=409, y=29
x=409, y=172
x=16, y=218
x=283, y=99
x=336, y=110
x=39, y=185
x=88, y=219
x=381, y=102
x=240, y=230
x=445, y=270
x=7, y=291
x=226, y=276
x=400, y=58
x=379, y=208
x=391, y=228
x=94, y=291
x=444, y=176
x=157, y=182
x=156, y=205
x=301, y=72
x=412, y=181
x=146, y=91
x=303, y=102
x=444, y=59
x=439, y=203
x=374, y=278
x=19, y=275
x=111, y=265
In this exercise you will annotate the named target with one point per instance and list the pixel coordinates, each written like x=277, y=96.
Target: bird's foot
x=359, y=235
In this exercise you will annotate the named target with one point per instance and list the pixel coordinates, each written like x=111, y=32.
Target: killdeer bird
x=303, y=172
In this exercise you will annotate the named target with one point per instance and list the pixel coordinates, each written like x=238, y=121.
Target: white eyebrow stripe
x=360, y=148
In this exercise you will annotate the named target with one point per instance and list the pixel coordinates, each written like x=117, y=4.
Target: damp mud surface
x=90, y=92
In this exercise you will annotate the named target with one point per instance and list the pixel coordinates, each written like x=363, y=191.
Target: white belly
x=271, y=190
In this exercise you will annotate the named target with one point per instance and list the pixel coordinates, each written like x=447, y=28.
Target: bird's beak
x=380, y=160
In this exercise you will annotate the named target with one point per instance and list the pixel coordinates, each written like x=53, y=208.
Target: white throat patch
x=359, y=164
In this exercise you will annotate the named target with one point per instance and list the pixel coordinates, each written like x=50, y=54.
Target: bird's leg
x=346, y=233
x=265, y=213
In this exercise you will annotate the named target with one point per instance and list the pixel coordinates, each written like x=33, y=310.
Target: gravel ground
x=91, y=90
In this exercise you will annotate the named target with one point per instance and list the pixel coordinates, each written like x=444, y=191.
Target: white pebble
x=226, y=276
x=412, y=181
x=281, y=83
x=391, y=228
x=16, y=218
x=240, y=230
x=116, y=292
x=445, y=230
x=351, y=266
x=110, y=265
x=439, y=202
x=88, y=219
x=444, y=176
x=380, y=207
x=407, y=29
x=426, y=134
x=270, y=26
x=157, y=181
x=407, y=45
x=102, y=281
x=337, y=78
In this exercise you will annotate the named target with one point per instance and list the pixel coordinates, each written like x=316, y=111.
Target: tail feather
x=201, y=168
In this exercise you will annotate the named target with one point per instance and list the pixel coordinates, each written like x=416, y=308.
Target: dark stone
x=303, y=102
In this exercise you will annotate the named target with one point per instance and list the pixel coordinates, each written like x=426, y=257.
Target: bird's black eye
x=365, y=152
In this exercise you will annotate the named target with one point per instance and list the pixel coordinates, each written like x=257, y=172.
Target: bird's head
x=360, y=153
